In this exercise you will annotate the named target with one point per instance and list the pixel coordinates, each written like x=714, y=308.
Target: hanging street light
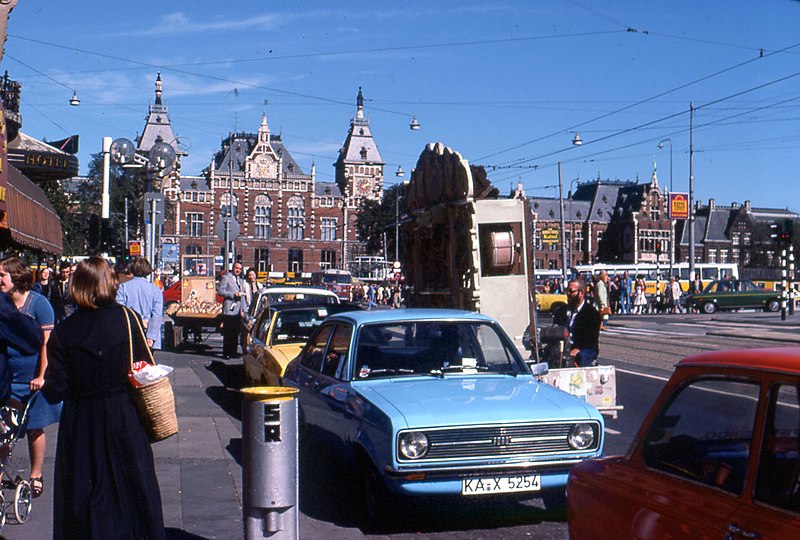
x=414, y=125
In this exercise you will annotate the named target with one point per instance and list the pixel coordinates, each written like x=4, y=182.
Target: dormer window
x=363, y=152
x=360, y=131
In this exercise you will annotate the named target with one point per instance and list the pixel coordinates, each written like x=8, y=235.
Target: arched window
x=263, y=217
x=225, y=203
x=296, y=222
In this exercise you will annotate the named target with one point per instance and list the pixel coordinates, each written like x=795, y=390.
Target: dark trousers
x=231, y=328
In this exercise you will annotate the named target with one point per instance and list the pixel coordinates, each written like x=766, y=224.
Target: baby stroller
x=12, y=426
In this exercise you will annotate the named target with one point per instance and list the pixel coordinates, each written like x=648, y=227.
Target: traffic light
x=788, y=232
x=658, y=247
x=782, y=233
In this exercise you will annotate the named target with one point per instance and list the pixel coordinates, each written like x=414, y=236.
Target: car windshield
x=296, y=326
x=434, y=348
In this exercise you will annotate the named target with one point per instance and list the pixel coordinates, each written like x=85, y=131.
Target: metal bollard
x=269, y=472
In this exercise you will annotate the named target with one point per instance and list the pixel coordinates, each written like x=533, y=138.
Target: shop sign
x=679, y=205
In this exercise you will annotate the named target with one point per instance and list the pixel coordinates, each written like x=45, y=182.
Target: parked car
x=284, y=294
x=546, y=302
x=277, y=336
x=718, y=456
x=734, y=294
x=437, y=402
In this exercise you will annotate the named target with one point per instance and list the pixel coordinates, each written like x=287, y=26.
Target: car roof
x=784, y=359
x=296, y=290
x=305, y=306
x=409, y=314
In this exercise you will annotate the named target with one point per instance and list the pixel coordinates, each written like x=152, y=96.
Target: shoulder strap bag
x=155, y=401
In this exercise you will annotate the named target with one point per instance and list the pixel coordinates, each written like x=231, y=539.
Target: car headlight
x=581, y=436
x=413, y=445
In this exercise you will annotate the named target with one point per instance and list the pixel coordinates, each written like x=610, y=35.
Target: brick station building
x=287, y=220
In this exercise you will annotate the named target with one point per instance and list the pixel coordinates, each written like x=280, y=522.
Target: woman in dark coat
x=105, y=481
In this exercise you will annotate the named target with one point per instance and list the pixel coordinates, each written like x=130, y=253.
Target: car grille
x=499, y=441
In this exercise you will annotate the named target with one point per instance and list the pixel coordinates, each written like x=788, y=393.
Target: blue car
x=438, y=402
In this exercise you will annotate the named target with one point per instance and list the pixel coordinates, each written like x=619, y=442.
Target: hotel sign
x=550, y=236
x=679, y=206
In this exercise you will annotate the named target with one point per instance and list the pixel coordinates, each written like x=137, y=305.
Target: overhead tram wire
x=531, y=168
x=658, y=120
x=641, y=102
x=326, y=54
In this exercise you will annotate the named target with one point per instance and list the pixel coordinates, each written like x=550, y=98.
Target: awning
x=30, y=221
x=39, y=160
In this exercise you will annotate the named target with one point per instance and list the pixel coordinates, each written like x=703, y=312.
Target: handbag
x=154, y=401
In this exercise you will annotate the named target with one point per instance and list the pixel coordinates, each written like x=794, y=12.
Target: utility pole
x=691, y=190
x=564, y=264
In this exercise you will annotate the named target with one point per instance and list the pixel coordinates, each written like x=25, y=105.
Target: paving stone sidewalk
x=199, y=470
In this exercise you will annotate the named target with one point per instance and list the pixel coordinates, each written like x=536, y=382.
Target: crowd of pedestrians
x=378, y=295
x=65, y=351
x=624, y=294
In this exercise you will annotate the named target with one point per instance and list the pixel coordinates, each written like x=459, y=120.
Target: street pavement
x=199, y=470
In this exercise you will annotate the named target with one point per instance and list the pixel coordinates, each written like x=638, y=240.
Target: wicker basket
x=156, y=404
x=155, y=401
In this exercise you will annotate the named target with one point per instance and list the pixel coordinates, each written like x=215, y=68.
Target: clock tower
x=359, y=167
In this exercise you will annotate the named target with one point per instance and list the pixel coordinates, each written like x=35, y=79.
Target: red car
x=718, y=456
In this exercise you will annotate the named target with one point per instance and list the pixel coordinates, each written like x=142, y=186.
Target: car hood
x=434, y=402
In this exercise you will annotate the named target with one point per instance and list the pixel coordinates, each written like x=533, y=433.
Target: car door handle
x=734, y=531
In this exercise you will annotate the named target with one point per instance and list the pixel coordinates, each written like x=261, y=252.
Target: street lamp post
x=669, y=204
x=571, y=217
x=160, y=161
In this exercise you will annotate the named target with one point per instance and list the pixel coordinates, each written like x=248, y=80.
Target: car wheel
x=709, y=307
x=379, y=502
x=773, y=305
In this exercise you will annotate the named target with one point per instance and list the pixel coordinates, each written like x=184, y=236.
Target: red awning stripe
x=32, y=220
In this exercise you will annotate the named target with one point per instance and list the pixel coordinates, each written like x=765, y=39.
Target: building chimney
x=747, y=206
x=734, y=205
x=711, y=205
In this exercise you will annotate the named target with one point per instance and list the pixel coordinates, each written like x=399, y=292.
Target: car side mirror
x=540, y=368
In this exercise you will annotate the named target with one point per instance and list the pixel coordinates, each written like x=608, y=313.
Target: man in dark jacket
x=584, y=325
x=63, y=304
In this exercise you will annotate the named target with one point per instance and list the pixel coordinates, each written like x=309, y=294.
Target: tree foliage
x=376, y=218
x=79, y=203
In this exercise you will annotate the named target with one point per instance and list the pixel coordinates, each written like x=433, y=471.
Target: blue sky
x=505, y=83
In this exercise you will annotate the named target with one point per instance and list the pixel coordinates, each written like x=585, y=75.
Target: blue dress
x=23, y=367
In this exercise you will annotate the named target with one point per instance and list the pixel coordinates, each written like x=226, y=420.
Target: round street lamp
x=122, y=151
